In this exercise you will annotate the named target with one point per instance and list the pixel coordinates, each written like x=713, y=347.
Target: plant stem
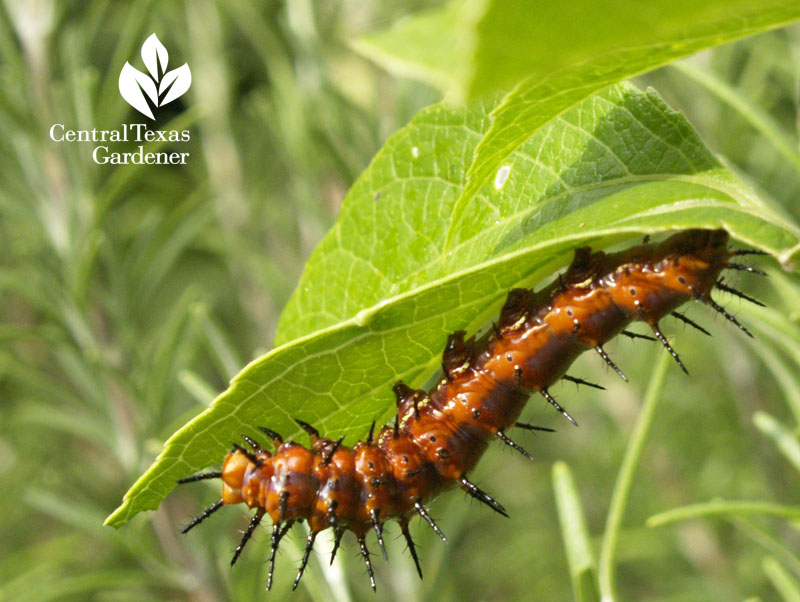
x=622, y=488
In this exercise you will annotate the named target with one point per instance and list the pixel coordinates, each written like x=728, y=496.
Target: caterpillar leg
x=310, y=430
x=277, y=535
x=276, y=438
x=745, y=268
x=424, y=514
x=667, y=346
x=248, y=454
x=533, y=427
x=337, y=539
x=635, y=335
x=608, y=361
x=202, y=516
x=278, y=531
x=747, y=252
x=738, y=293
x=362, y=542
x=312, y=536
x=580, y=381
x=691, y=323
x=376, y=523
x=200, y=477
x=482, y=496
x=329, y=456
x=252, y=443
x=247, y=534
x=508, y=441
x=717, y=307
x=411, y=547
x=551, y=400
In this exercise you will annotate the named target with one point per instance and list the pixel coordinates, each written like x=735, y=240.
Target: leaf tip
x=119, y=517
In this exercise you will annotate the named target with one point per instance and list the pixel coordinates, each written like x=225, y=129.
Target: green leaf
x=555, y=55
x=725, y=509
x=379, y=296
x=575, y=534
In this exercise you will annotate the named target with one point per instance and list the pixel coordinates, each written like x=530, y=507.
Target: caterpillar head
x=233, y=470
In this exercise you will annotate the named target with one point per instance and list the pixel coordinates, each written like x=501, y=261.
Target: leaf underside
x=554, y=55
x=474, y=47
x=379, y=295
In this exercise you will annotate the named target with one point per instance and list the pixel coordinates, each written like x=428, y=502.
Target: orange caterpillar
x=439, y=435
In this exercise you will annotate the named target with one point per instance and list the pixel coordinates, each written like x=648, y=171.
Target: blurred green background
x=129, y=296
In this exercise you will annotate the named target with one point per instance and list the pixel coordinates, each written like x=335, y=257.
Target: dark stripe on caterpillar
x=439, y=435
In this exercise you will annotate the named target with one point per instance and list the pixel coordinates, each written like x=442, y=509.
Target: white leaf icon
x=131, y=84
x=177, y=82
x=137, y=87
x=153, y=53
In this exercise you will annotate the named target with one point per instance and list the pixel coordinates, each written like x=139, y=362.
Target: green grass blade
x=575, y=533
x=624, y=482
x=759, y=119
x=784, y=373
x=724, y=509
x=785, y=440
x=769, y=542
x=203, y=392
x=777, y=331
x=782, y=580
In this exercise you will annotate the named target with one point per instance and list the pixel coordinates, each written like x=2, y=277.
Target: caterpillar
x=438, y=436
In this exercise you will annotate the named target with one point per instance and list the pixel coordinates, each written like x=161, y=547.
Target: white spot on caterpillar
x=502, y=176
x=414, y=152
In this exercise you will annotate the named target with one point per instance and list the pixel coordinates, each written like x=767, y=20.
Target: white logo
x=160, y=87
